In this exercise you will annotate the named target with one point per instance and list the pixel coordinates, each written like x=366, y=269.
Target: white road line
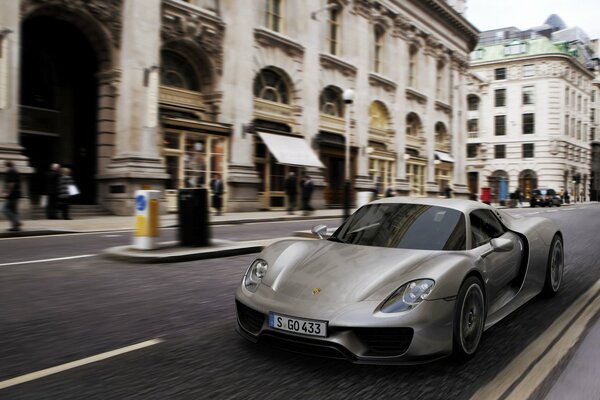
x=528, y=369
x=551, y=359
x=47, y=260
x=74, y=364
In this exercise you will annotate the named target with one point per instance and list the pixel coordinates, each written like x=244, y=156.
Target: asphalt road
x=57, y=312
x=68, y=245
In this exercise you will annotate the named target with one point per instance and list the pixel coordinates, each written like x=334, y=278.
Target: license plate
x=298, y=325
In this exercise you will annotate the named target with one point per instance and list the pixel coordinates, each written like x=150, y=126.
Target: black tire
x=554, y=267
x=469, y=319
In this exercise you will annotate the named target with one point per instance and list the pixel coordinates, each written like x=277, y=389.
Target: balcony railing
x=332, y=123
x=278, y=112
x=414, y=142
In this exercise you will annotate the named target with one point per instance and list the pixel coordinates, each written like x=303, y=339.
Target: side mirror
x=319, y=230
x=500, y=245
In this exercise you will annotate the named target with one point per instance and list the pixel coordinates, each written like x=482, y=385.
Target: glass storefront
x=190, y=159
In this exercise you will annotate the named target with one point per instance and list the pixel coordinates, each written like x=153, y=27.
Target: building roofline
x=453, y=18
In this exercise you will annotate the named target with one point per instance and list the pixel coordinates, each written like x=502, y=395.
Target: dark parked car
x=545, y=197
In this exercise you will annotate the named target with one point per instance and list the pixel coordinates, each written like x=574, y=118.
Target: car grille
x=385, y=341
x=251, y=320
x=304, y=346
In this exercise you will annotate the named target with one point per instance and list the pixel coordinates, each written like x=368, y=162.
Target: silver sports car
x=401, y=281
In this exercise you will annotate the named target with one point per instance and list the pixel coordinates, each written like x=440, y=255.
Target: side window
x=484, y=227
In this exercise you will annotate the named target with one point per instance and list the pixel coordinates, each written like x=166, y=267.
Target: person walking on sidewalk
x=306, y=193
x=291, y=190
x=52, y=180
x=66, y=189
x=12, y=193
x=216, y=185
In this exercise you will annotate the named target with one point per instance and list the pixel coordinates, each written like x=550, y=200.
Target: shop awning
x=445, y=157
x=290, y=150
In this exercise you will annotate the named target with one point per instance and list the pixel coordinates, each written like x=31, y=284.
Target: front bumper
x=357, y=334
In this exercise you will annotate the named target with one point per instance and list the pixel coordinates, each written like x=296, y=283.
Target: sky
x=524, y=14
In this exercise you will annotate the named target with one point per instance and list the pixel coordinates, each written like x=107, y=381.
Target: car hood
x=342, y=273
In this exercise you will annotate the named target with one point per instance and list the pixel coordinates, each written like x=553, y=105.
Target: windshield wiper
x=364, y=228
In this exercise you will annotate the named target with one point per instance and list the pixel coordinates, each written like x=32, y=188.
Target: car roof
x=464, y=206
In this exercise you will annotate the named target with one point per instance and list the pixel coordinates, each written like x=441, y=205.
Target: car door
x=502, y=267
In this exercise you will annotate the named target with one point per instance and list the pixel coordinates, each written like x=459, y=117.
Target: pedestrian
x=389, y=192
x=66, y=190
x=519, y=196
x=447, y=192
x=216, y=185
x=291, y=191
x=52, y=179
x=12, y=193
x=306, y=193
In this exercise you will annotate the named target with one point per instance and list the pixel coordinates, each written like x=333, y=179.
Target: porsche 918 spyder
x=400, y=281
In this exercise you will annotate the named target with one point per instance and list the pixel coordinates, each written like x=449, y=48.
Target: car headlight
x=254, y=275
x=408, y=296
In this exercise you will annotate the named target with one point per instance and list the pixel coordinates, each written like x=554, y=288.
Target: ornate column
x=136, y=163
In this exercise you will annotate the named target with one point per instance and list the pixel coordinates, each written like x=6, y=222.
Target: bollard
x=147, y=210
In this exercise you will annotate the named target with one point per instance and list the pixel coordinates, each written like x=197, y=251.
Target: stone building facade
x=164, y=93
x=530, y=117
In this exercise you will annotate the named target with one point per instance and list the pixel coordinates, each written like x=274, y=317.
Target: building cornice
x=452, y=18
x=380, y=81
x=334, y=63
x=268, y=38
x=566, y=57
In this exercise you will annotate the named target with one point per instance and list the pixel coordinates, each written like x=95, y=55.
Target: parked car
x=400, y=281
x=545, y=197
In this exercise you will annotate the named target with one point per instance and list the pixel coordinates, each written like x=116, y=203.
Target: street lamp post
x=348, y=96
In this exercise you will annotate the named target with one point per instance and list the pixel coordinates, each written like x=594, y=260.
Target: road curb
x=170, y=252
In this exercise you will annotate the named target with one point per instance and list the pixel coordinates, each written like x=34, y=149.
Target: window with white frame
x=500, y=125
x=528, y=95
x=499, y=97
x=515, y=48
x=528, y=123
x=500, y=74
x=528, y=150
x=500, y=151
x=528, y=70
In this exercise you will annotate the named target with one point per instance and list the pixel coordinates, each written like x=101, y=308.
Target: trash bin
x=194, y=229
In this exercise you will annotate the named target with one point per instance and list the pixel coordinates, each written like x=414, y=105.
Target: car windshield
x=404, y=226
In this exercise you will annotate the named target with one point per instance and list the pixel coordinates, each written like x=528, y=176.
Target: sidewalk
x=35, y=227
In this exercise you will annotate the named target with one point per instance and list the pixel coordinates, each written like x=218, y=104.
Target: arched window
x=441, y=133
x=269, y=85
x=333, y=24
x=472, y=102
x=378, y=116
x=412, y=66
x=178, y=72
x=330, y=102
x=378, y=49
x=413, y=125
